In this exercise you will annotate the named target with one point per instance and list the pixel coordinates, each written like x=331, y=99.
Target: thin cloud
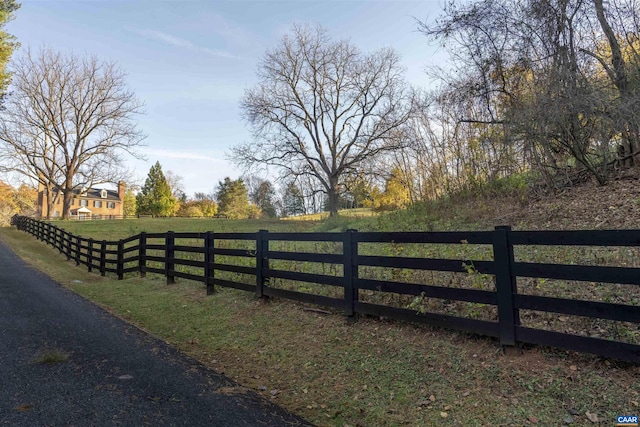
x=174, y=154
x=185, y=44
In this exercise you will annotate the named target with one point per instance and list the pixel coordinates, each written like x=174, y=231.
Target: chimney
x=121, y=186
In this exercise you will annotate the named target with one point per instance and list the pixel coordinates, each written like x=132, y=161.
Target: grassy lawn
x=334, y=372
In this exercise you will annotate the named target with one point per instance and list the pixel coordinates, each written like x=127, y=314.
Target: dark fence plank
x=585, y=273
x=577, y=237
x=189, y=235
x=157, y=247
x=442, y=292
x=189, y=262
x=305, y=256
x=191, y=249
x=601, y=310
x=234, y=268
x=305, y=277
x=235, y=285
x=155, y=270
x=130, y=239
x=612, y=349
x=481, y=327
x=437, y=264
x=185, y=275
x=234, y=236
x=460, y=237
x=304, y=297
x=235, y=252
x=306, y=237
x=130, y=259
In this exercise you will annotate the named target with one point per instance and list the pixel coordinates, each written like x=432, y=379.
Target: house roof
x=94, y=193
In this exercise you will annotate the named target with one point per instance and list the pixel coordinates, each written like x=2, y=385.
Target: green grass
x=119, y=229
x=51, y=356
x=345, y=213
x=334, y=373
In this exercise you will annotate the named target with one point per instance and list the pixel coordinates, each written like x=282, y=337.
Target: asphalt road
x=115, y=374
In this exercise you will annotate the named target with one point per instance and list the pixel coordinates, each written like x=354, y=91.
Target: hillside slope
x=584, y=206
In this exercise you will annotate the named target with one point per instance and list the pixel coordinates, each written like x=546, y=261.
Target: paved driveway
x=115, y=374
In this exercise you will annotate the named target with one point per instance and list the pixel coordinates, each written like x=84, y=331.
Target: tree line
x=544, y=89
x=243, y=198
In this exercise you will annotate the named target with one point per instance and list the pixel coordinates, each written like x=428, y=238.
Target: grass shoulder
x=372, y=372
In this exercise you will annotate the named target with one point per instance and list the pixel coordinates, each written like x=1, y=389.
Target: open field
x=349, y=213
x=373, y=372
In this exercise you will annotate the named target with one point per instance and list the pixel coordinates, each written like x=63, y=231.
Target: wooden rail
x=139, y=254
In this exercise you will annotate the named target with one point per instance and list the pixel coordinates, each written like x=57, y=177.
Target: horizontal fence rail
x=259, y=259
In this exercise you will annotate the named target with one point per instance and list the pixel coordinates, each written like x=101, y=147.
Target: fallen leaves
x=592, y=417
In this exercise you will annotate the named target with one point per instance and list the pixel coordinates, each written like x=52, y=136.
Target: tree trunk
x=50, y=201
x=333, y=195
x=66, y=203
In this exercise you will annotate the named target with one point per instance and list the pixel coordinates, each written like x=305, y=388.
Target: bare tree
x=322, y=108
x=547, y=76
x=68, y=122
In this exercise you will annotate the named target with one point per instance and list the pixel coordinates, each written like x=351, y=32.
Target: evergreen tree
x=155, y=198
x=233, y=200
x=263, y=196
x=293, y=200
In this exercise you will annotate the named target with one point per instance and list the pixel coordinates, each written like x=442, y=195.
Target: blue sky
x=190, y=61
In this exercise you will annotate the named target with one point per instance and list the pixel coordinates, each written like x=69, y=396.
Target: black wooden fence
x=132, y=255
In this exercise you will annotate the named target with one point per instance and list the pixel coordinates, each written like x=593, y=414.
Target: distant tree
x=155, y=197
x=8, y=207
x=21, y=200
x=358, y=191
x=396, y=193
x=292, y=200
x=68, y=122
x=322, y=108
x=206, y=203
x=177, y=188
x=191, y=209
x=232, y=197
x=263, y=197
x=130, y=207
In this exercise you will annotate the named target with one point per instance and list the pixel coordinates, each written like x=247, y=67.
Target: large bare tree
x=322, y=108
x=68, y=122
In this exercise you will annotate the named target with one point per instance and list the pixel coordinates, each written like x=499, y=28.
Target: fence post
x=142, y=255
x=209, y=272
x=59, y=239
x=169, y=254
x=90, y=255
x=262, y=262
x=46, y=232
x=508, y=315
x=120, y=264
x=68, y=242
x=103, y=257
x=349, y=271
x=77, y=245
